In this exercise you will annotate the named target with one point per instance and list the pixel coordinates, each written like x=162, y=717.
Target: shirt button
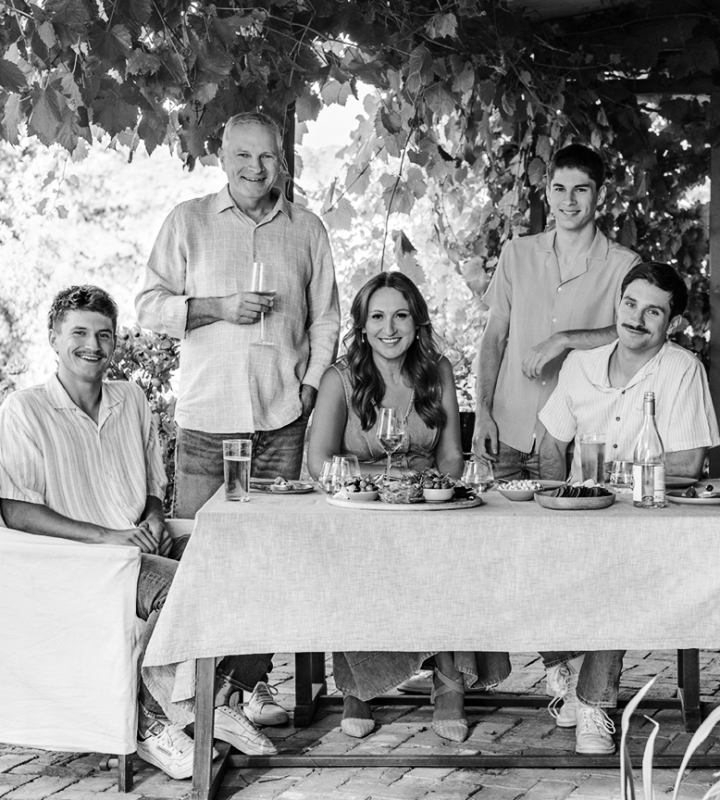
x=617, y=419
x=614, y=447
x=559, y=288
x=554, y=320
x=623, y=391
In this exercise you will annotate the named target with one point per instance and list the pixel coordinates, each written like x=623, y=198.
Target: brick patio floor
x=35, y=775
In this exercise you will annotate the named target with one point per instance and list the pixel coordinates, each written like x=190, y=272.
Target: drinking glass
x=391, y=433
x=621, y=475
x=259, y=286
x=325, y=479
x=345, y=469
x=236, y=467
x=592, y=456
x=479, y=475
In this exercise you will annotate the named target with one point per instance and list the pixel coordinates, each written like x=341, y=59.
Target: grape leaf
x=113, y=114
x=11, y=76
x=442, y=25
x=307, y=106
x=12, y=116
x=45, y=117
x=46, y=32
x=419, y=69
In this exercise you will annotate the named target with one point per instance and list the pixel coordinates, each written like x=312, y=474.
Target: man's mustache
x=638, y=328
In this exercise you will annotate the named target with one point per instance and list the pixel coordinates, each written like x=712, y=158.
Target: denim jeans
x=371, y=673
x=199, y=461
x=514, y=465
x=599, y=678
x=156, y=575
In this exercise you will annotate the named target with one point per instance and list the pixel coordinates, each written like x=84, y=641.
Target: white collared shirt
x=53, y=454
x=585, y=402
x=206, y=248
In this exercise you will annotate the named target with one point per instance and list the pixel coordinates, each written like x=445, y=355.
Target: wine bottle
x=649, y=461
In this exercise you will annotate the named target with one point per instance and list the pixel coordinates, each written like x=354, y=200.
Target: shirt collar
x=223, y=201
x=599, y=373
x=60, y=399
x=598, y=250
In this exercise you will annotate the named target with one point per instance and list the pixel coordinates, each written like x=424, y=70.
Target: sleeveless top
x=419, y=452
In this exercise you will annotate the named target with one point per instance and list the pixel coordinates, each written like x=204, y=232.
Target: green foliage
x=151, y=361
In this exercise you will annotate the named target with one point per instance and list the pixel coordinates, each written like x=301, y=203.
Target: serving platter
x=574, y=503
x=292, y=487
x=675, y=496
x=378, y=505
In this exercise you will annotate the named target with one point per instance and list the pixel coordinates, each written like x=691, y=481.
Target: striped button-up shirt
x=53, y=454
x=585, y=402
x=229, y=382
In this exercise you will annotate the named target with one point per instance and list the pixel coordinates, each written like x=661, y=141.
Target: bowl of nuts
x=518, y=490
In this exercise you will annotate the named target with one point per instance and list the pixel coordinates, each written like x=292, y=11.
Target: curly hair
x=422, y=359
x=82, y=298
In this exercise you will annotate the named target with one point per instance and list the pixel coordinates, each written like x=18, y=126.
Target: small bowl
x=438, y=495
x=517, y=494
x=360, y=496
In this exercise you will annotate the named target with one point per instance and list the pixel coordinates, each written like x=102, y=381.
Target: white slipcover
x=68, y=644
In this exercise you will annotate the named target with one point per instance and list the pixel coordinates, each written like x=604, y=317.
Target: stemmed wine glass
x=259, y=286
x=479, y=475
x=391, y=433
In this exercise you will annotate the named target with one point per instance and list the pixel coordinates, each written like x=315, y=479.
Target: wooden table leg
x=689, y=688
x=204, y=723
x=125, y=773
x=309, y=686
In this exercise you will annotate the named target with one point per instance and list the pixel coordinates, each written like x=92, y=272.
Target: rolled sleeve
x=22, y=468
x=161, y=304
x=323, y=311
x=557, y=415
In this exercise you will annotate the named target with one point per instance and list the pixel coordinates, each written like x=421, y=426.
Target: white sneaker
x=561, y=682
x=262, y=708
x=168, y=747
x=232, y=726
x=594, y=731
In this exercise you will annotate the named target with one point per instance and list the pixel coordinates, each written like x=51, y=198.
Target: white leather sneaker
x=561, y=683
x=262, y=709
x=232, y=726
x=593, y=735
x=169, y=748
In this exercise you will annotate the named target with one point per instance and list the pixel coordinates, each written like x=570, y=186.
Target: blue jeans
x=199, y=461
x=599, y=677
x=156, y=575
x=515, y=465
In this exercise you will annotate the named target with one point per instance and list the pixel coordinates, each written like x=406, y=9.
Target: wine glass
x=479, y=475
x=259, y=286
x=326, y=479
x=391, y=433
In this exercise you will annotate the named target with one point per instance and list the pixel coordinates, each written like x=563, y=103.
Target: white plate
x=675, y=497
x=674, y=482
x=378, y=505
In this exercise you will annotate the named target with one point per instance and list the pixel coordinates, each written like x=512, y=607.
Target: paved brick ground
x=35, y=775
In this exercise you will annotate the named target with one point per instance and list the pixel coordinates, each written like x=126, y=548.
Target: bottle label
x=659, y=476
x=637, y=483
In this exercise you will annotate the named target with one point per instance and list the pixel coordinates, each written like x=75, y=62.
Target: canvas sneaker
x=561, y=682
x=232, y=726
x=169, y=748
x=262, y=709
x=593, y=735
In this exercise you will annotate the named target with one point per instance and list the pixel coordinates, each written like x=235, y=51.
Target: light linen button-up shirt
x=528, y=291
x=585, y=402
x=206, y=248
x=53, y=454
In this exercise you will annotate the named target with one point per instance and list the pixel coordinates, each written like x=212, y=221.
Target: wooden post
x=714, y=374
x=289, y=150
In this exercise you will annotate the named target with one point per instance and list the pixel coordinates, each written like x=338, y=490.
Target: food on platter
x=408, y=489
x=520, y=486
x=702, y=490
x=577, y=490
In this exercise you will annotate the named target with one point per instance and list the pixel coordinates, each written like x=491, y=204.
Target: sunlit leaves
x=420, y=69
x=46, y=116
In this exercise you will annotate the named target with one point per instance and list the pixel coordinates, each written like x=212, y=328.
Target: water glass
x=479, y=475
x=326, y=480
x=345, y=468
x=236, y=464
x=621, y=475
x=592, y=456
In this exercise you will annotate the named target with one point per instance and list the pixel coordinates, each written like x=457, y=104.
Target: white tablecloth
x=294, y=574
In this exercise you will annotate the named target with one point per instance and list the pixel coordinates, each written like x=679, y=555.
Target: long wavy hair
x=422, y=359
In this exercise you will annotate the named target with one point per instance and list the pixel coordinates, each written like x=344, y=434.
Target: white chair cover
x=68, y=644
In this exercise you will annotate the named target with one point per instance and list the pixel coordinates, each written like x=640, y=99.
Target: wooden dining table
x=292, y=573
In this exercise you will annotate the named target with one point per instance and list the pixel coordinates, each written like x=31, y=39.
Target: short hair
x=254, y=118
x=82, y=298
x=578, y=156
x=664, y=277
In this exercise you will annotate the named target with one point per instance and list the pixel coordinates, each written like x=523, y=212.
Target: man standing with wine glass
x=240, y=378
x=254, y=347
x=603, y=390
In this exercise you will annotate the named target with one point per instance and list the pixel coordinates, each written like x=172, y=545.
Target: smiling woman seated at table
x=393, y=361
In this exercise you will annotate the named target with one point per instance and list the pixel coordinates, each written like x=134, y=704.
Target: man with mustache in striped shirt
x=602, y=390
